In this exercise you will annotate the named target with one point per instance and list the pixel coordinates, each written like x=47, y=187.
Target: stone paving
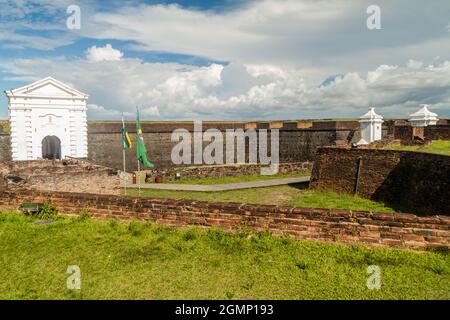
x=222, y=187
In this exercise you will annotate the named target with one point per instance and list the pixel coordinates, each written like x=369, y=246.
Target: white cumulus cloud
x=106, y=53
x=238, y=92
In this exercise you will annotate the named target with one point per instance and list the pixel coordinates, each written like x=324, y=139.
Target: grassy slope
x=142, y=261
x=437, y=146
x=278, y=195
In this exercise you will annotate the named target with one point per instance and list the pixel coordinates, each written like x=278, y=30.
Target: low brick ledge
x=363, y=227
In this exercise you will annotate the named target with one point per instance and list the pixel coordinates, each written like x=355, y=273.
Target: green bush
x=84, y=214
x=302, y=265
x=47, y=211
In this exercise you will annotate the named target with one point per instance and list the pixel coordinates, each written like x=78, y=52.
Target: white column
x=72, y=133
x=21, y=133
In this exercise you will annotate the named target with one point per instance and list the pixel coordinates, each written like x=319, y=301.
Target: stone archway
x=51, y=148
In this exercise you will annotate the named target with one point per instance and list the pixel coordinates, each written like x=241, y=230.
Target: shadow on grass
x=300, y=185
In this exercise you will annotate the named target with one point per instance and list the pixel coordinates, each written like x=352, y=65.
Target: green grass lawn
x=237, y=179
x=289, y=195
x=437, y=146
x=147, y=261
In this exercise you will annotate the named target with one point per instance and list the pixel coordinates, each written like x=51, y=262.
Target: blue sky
x=233, y=60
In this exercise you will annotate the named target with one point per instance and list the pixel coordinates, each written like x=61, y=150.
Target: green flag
x=141, y=151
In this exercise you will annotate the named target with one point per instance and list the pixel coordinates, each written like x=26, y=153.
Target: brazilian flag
x=141, y=150
x=126, y=141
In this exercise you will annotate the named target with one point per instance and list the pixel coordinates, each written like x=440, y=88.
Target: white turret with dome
x=423, y=117
x=370, y=127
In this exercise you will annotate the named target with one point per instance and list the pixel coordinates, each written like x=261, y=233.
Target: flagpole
x=138, y=162
x=139, y=178
x=123, y=159
x=124, y=172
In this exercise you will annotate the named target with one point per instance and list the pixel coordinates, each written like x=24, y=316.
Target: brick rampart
x=67, y=175
x=377, y=229
x=230, y=170
x=412, y=181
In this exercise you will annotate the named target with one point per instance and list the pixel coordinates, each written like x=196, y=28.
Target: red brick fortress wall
x=60, y=175
x=298, y=140
x=412, y=181
x=230, y=170
x=438, y=132
x=378, y=229
x=407, y=134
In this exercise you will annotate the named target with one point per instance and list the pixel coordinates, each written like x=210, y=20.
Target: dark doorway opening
x=51, y=148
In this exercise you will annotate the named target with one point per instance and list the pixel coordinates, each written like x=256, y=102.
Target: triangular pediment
x=48, y=87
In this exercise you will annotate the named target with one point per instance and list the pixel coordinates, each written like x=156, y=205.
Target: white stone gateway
x=423, y=117
x=370, y=127
x=48, y=120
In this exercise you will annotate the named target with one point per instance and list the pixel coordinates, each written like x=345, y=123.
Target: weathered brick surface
x=407, y=134
x=297, y=143
x=298, y=139
x=416, y=182
x=437, y=132
x=5, y=147
x=369, y=228
x=66, y=175
x=231, y=170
